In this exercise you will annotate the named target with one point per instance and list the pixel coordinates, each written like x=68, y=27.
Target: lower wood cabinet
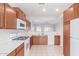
x=57, y=40
x=43, y=40
x=38, y=40
x=18, y=51
x=31, y=41
x=13, y=53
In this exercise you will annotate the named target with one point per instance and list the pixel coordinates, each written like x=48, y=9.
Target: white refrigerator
x=74, y=37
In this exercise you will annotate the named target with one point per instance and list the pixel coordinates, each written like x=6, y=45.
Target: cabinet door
x=36, y=40
x=65, y=17
x=10, y=17
x=20, y=50
x=72, y=12
x=76, y=10
x=66, y=41
x=43, y=40
x=20, y=14
x=69, y=14
x=31, y=41
x=2, y=21
x=29, y=26
x=57, y=40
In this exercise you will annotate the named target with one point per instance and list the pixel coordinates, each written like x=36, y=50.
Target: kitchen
x=38, y=29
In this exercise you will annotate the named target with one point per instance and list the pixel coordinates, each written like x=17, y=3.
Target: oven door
x=21, y=24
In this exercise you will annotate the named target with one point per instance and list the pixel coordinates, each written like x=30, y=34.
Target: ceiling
x=35, y=12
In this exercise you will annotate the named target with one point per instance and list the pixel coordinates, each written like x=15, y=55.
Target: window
x=38, y=29
x=47, y=29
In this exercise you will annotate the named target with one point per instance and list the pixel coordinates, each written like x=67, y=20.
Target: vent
x=41, y=4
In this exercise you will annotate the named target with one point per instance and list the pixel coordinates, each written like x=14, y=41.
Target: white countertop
x=6, y=48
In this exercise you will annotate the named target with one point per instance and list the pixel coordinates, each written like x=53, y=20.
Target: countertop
x=9, y=46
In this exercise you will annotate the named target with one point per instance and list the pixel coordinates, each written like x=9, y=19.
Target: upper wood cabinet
x=2, y=21
x=7, y=16
x=20, y=14
x=28, y=25
x=10, y=17
x=72, y=12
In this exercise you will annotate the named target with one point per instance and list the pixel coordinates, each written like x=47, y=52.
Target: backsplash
x=6, y=34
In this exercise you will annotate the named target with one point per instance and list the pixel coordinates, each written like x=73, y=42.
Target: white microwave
x=21, y=24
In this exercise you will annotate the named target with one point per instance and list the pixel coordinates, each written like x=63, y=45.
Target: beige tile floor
x=46, y=50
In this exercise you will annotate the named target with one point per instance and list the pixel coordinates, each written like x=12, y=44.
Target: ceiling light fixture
x=44, y=10
x=57, y=9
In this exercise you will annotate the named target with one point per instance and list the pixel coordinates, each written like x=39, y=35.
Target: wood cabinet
x=28, y=25
x=18, y=51
x=2, y=18
x=69, y=14
x=10, y=17
x=7, y=17
x=43, y=40
x=66, y=41
x=36, y=40
x=20, y=14
x=57, y=40
x=31, y=41
x=39, y=40
x=72, y=12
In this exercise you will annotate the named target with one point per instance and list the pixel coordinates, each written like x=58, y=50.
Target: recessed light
x=44, y=10
x=57, y=9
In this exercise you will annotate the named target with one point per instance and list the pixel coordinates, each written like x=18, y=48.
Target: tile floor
x=46, y=50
